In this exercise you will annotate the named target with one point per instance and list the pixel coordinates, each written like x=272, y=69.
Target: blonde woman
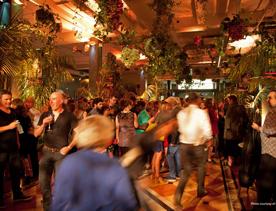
x=89, y=179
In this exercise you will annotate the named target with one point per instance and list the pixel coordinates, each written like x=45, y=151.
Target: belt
x=51, y=149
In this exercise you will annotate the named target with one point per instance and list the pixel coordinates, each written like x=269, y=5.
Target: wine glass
x=49, y=128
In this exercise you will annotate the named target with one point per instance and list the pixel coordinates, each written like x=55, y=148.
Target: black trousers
x=266, y=184
x=49, y=163
x=28, y=147
x=191, y=156
x=12, y=160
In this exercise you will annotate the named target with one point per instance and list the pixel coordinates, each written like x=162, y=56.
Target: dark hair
x=19, y=107
x=208, y=103
x=82, y=105
x=124, y=103
x=193, y=97
x=233, y=98
x=104, y=108
x=70, y=106
x=5, y=92
x=17, y=102
x=97, y=100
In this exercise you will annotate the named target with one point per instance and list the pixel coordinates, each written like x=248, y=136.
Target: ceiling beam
x=233, y=8
x=222, y=6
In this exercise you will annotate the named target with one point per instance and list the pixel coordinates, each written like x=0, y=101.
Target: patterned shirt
x=268, y=134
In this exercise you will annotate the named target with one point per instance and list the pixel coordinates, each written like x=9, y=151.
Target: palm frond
x=15, y=41
x=54, y=72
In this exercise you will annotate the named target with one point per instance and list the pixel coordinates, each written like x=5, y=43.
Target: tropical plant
x=37, y=72
x=40, y=78
x=257, y=62
x=15, y=43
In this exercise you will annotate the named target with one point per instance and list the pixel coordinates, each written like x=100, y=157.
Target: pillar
x=95, y=64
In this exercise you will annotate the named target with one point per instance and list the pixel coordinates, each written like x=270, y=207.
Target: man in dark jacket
x=235, y=126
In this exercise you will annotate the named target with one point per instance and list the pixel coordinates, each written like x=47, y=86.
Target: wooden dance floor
x=222, y=193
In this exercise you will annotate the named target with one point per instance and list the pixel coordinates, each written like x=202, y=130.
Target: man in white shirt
x=195, y=131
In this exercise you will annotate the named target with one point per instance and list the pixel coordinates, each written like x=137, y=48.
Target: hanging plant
x=130, y=56
x=165, y=56
x=235, y=28
x=108, y=17
x=46, y=18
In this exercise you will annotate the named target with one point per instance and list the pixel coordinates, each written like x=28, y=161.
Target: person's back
x=192, y=125
x=96, y=182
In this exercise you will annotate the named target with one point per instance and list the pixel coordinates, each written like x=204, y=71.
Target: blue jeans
x=173, y=158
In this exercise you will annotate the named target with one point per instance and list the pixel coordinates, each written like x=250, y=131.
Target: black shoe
x=21, y=197
x=2, y=204
x=202, y=194
x=32, y=181
x=26, y=181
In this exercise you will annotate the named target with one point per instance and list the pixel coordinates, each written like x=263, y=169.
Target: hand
x=13, y=124
x=210, y=143
x=116, y=141
x=48, y=120
x=65, y=150
x=255, y=126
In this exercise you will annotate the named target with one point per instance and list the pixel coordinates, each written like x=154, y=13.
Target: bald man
x=57, y=126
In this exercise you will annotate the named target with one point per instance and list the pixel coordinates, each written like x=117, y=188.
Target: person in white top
x=195, y=132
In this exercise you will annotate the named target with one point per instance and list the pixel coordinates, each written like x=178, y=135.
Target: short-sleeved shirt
x=61, y=129
x=143, y=118
x=8, y=138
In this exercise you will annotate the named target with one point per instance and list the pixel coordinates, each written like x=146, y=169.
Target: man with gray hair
x=195, y=131
x=56, y=125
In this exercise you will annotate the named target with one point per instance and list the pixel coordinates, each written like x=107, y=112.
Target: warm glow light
x=81, y=23
x=193, y=29
x=142, y=56
x=33, y=1
x=125, y=5
x=245, y=44
x=205, y=62
x=18, y=2
x=93, y=5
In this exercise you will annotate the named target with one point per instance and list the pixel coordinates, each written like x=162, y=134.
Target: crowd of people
x=83, y=138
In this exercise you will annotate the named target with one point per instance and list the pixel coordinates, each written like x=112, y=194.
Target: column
x=95, y=64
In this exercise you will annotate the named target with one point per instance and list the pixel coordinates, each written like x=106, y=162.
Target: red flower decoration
x=197, y=40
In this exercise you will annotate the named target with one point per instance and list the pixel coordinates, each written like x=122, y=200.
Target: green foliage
x=41, y=81
x=15, y=43
x=257, y=62
x=37, y=72
x=127, y=38
x=130, y=56
x=108, y=17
